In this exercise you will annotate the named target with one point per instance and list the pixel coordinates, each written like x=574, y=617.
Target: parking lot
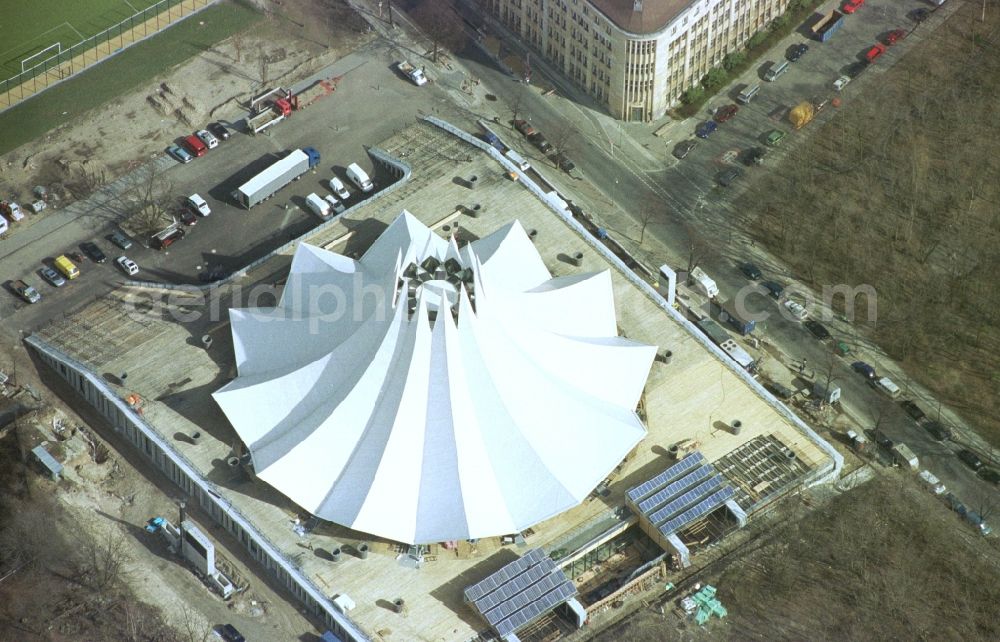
x=339, y=126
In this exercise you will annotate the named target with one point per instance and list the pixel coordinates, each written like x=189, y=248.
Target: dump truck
x=264, y=185
x=415, y=74
x=828, y=25
x=801, y=114
x=26, y=292
x=272, y=108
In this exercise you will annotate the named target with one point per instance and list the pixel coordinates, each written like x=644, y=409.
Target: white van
x=888, y=386
x=777, y=68
x=518, y=160
x=318, y=206
x=359, y=177
x=748, y=94
x=704, y=283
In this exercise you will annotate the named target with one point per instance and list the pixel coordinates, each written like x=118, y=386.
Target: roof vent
x=637, y=5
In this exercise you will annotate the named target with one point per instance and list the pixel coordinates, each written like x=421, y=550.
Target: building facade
x=637, y=57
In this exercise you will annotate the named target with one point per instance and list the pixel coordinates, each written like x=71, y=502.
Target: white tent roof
x=425, y=403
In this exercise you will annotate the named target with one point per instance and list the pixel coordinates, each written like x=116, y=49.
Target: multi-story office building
x=635, y=56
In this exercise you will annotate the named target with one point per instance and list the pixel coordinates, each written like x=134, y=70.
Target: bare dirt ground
x=884, y=562
x=899, y=191
x=295, y=40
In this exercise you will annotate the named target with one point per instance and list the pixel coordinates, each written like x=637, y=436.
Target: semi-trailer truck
x=264, y=185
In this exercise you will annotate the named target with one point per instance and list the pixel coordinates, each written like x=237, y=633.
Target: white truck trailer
x=264, y=185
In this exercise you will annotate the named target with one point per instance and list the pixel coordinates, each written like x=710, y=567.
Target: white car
x=198, y=205
x=206, y=137
x=797, y=310
x=337, y=187
x=127, y=265
x=337, y=206
x=841, y=82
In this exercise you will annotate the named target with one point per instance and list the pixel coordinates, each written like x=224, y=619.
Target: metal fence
x=88, y=52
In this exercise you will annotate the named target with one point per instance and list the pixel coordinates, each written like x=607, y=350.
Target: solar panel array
x=520, y=592
x=667, y=476
x=705, y=507
x=689, y=489
x=687, y=500
x=672, y=489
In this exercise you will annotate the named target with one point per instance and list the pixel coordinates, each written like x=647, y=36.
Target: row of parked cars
x=537, y=139
x=198, y=143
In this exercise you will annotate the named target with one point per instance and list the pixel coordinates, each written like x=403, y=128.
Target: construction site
x=719, y=449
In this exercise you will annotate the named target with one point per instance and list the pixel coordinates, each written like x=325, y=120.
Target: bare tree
x=237, y=41
x=517, y=100
x=441, y=24
x=193, y=628
x=698, y=247
x=104, y=561
x=149, y=196
x=563, y=137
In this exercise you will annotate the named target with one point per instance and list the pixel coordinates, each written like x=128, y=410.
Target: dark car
x=539, y=141
x=817, y=329
x=854, y=69
x=705, y=129
x=970, y=459
x=883, y=441
x=187, y=217
x=750, y=270
x=526, y=129
x=865, y=370
x=796, y=51
x=230, y=634
x=895, y=36
x=724, y=113
x=773, y=288
x=919, y=15
x=120, y=240
x=219, y=131
x=915, y=411
x=938, y=431
x=563, y=162
x=93, y=252
x=989, y=475
x=726, y=177
x=684, y=148
x=754, y=156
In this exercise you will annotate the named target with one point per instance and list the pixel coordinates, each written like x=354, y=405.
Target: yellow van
x=66, y=266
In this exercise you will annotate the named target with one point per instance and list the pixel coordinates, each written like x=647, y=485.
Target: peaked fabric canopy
x=427, y=392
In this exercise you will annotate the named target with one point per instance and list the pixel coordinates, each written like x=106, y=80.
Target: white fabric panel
x=421, y=431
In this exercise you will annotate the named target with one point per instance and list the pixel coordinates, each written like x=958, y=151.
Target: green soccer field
x=29, y=26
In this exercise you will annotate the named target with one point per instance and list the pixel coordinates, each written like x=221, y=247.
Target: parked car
x=774, y=137
x=337, y=187
x=198, y=205
x=727, y=176
x=684, y=148
x=915, y=411
x=773, y=288
x=754, y=156
x=724, y=113
x=705, y=129
x=526, y=130
x=873, y=52
x=337, y=205
x=127, y=265
x=796, y=309
x=970, y=459
x=989, y=475
x=817, y=329
x=93, y=252
x=852, y=5
x=564, y=163
x=841, y=82
x=938, y=431
x=797, y=51
x=865, y=370
x=539, y=141
x=53, y=277
x=854, y=69
x=895, y=36
x=750, y=270
x=230, y=634
x=206, y=137
x=919, y=15
x=888, y=387
x=180, y=153
x=219, y=130
x=187, y=217
x=120, y=240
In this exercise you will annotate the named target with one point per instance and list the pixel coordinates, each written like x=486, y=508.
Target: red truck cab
x=194, y=145
x=852, y=5
x=877, y=50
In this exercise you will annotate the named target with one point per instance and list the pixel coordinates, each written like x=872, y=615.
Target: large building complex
x=546, y=340
x=637, y=57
